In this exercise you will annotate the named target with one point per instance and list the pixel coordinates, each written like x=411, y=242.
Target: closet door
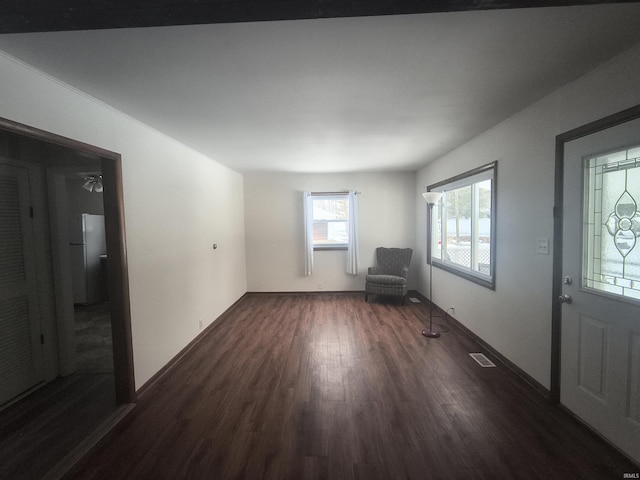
x=21, y=361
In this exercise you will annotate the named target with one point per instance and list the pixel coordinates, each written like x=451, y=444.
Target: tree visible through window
x=462, y=233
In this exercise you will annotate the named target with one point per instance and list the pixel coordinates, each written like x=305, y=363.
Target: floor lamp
x=431, y=198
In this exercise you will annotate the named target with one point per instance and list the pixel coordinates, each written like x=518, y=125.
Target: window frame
x=460, y=181
x=331, y=196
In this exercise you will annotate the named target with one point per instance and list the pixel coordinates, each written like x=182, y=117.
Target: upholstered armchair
x=389, y=277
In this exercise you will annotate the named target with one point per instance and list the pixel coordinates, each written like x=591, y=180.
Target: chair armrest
x=404, y=272
x=375, y=270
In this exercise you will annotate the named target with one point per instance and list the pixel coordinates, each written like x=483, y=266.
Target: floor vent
x=414, y=300
x=482, y=360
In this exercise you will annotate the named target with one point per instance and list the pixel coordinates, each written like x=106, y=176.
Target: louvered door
x=20, y=345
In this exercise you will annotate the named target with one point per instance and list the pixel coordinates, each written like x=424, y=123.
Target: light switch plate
x=542, y=246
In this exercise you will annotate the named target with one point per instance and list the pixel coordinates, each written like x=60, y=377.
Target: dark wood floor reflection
x=328, y=386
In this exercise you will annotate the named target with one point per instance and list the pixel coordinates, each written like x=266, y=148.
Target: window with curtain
x=330, y=221
x=462, y=228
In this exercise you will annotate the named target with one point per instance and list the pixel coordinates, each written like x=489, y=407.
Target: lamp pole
x=431, y=198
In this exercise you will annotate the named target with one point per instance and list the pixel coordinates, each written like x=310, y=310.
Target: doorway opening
x=81, y=345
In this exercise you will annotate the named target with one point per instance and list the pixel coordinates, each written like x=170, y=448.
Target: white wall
x=516, y=318
x=177, y=203
x=274, y=232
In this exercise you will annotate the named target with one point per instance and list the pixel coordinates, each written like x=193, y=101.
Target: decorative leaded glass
x=611, y=247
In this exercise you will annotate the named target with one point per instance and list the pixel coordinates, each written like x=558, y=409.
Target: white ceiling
x=334, y=95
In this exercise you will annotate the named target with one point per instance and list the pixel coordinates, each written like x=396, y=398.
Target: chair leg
x=366, y=297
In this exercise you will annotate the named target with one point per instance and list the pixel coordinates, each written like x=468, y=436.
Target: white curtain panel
x=353, y=252
x=308, y=233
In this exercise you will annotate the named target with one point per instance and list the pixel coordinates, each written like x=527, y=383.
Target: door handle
x=564, y=299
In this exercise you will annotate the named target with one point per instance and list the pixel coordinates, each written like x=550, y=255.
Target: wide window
x=330, y=221
x=462, y=226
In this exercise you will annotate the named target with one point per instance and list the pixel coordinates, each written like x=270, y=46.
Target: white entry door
x=21, y=359
x=600, y=343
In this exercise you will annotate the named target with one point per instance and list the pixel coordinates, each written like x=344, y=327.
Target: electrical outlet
x=320, y=286
x=200, y=324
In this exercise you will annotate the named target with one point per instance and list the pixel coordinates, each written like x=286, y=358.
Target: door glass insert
x=611, y=246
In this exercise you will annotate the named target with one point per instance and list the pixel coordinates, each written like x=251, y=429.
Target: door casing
x=111, y=166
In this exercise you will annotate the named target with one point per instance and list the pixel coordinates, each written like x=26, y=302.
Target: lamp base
x=430, y=334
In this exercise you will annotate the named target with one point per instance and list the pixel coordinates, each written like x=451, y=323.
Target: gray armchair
x=389, y=277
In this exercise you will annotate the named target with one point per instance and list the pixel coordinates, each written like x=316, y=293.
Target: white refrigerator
x=87, y=242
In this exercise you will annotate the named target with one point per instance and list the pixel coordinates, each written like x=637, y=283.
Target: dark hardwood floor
x=330, y=387
x=40, y=430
